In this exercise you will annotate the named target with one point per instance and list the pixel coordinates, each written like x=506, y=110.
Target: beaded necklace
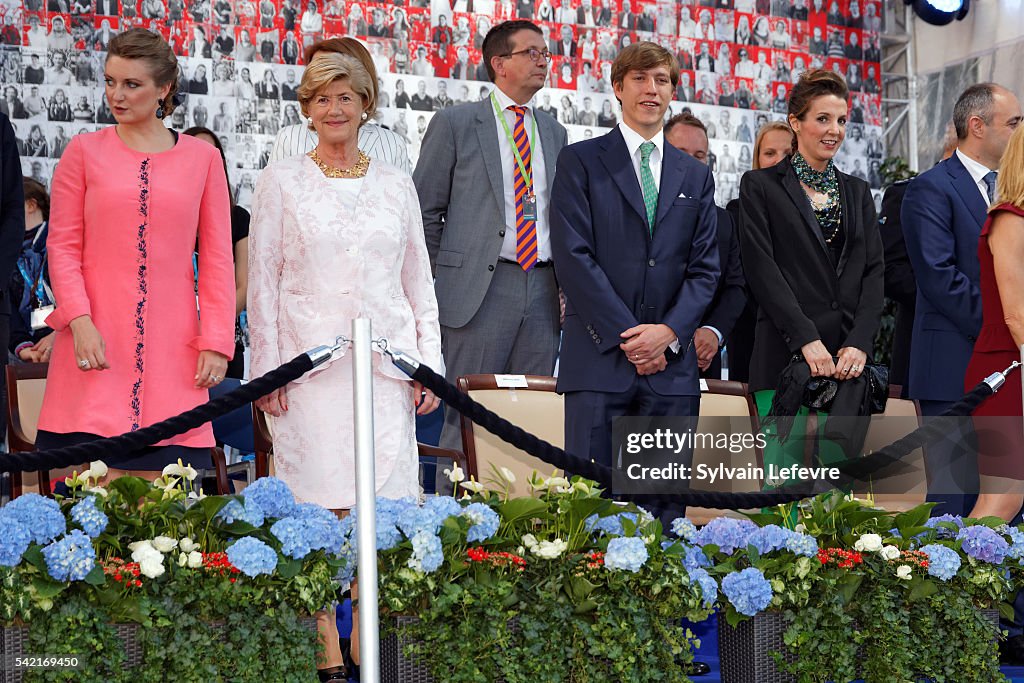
x=357, y=171
x=827, y=211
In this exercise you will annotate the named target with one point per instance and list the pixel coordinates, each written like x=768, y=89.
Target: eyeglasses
x=533, y=53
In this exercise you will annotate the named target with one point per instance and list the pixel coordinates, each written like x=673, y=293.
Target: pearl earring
x=364, y=116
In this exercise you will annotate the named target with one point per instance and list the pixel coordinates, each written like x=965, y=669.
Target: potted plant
x=145, y=581
x=884, y=597
x=561, y=586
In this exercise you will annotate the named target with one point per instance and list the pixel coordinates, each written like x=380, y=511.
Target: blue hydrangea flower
x=684, y=529
x=426, y=552
x=71, y=558
x=983, y=544
x=16, y=540
x=86, y=515
x=294, y=536
x=272, y=496
x=695, y=558
x=414, y=519
x=943, y=562
x=1016, y=551
x=252, y=556
x=748, y=591
x=250, y=513
x=485, y=522
x=708, y=586
x=727, y=533
x=943, y=532
x=443, y=506
x=769, y=538
x=40, y=516
x=626, y=554
x=802, y=544
x=310, y=527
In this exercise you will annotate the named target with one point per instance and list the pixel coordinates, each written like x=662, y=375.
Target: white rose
x=187, y=545
x=530, y=541
x=151, y=568
x=164, y=544
x=195, y=559
x=182, y=559
x=144, y=550
x=549, y=550
x=135, y=545
x=99, y=469
x=455, y=474
x=868, y=543
x=890, y=553
x=903, y=572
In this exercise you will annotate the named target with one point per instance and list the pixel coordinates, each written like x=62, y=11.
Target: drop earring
x=160, y=109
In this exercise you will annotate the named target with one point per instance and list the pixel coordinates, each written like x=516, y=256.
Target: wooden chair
x=26, y=383
x=726, y=407
x=535, y=407
x=901, y=417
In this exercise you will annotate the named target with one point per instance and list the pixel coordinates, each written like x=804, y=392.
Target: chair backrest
x=534, y=407
x=234, y=429
x=26, y=383
x=901, y=417
x=726, y=409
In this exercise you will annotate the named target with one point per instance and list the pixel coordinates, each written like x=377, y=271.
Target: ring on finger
x=83, y=363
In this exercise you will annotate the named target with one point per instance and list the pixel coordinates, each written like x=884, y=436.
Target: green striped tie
x=647, y=185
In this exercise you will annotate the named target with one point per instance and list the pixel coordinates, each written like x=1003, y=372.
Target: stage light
x=940, y=12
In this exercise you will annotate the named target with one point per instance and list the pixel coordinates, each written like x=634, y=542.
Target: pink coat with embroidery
x=123, y=229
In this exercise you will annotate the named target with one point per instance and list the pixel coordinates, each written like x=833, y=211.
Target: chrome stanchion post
x=366, y=523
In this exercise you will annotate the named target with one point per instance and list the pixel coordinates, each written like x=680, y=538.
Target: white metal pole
x=911, y=88
x=366, y=492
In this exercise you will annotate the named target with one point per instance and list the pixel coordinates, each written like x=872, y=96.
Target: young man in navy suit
x=942, y=215
x=633, y=235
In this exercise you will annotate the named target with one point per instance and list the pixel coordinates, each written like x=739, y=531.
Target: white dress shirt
x=538, y=174
x=978, y=172
x=633, y=142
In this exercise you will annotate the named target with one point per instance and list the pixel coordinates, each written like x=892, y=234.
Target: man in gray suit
x=484, y=180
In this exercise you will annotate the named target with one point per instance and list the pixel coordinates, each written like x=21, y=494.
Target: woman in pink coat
x=129, y=202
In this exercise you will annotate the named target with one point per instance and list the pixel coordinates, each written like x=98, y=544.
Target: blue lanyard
x=34, y=284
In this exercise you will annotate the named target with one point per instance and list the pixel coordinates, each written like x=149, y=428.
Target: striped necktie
x=990, y=186
x=526, y=229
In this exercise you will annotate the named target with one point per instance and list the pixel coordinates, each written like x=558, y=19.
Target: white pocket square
x=682, y=195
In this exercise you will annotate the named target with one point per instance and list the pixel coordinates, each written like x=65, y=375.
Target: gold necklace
x=357, y=171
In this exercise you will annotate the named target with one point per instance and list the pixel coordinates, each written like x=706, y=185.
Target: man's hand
x=645, y=343
x=652, y=367
x=705, y=343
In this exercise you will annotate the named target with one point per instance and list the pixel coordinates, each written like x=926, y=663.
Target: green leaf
x=848, y=586
x=130, y=488
x=96, y=577
x=288, y=568
x=45, y=588
x=34, y=556
x=522, y=508
x=914, y=517
x=211, y=505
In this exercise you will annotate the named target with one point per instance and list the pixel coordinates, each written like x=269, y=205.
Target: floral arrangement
x=563, y=585
x=868, y=593
x=235, y=574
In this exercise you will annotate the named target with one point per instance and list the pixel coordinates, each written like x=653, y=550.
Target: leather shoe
x=696, y=668
x=334, y=673
x=1011, y=651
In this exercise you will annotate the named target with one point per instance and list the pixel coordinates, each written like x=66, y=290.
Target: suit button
x=641, y=307
x=835, y=305
x=598, y=340
x=490, y=267
x=501, y=233
x=651, y=263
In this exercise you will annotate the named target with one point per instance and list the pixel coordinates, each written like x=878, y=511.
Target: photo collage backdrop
x=241, y=63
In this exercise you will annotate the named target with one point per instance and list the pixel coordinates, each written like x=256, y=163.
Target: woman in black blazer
x=811, y=248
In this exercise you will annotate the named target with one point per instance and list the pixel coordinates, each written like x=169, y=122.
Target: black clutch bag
x=820, y=392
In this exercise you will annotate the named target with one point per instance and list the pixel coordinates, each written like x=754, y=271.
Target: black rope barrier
x=116, y=449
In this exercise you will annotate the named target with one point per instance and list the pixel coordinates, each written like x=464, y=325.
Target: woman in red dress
x=999, y=421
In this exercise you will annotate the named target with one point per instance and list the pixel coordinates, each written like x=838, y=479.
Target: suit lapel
x=848, y=224
x=672, y=175
x=548, y=145
x=487, y=134
x=620, y=167
x=967, y=189
x=799, y=198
